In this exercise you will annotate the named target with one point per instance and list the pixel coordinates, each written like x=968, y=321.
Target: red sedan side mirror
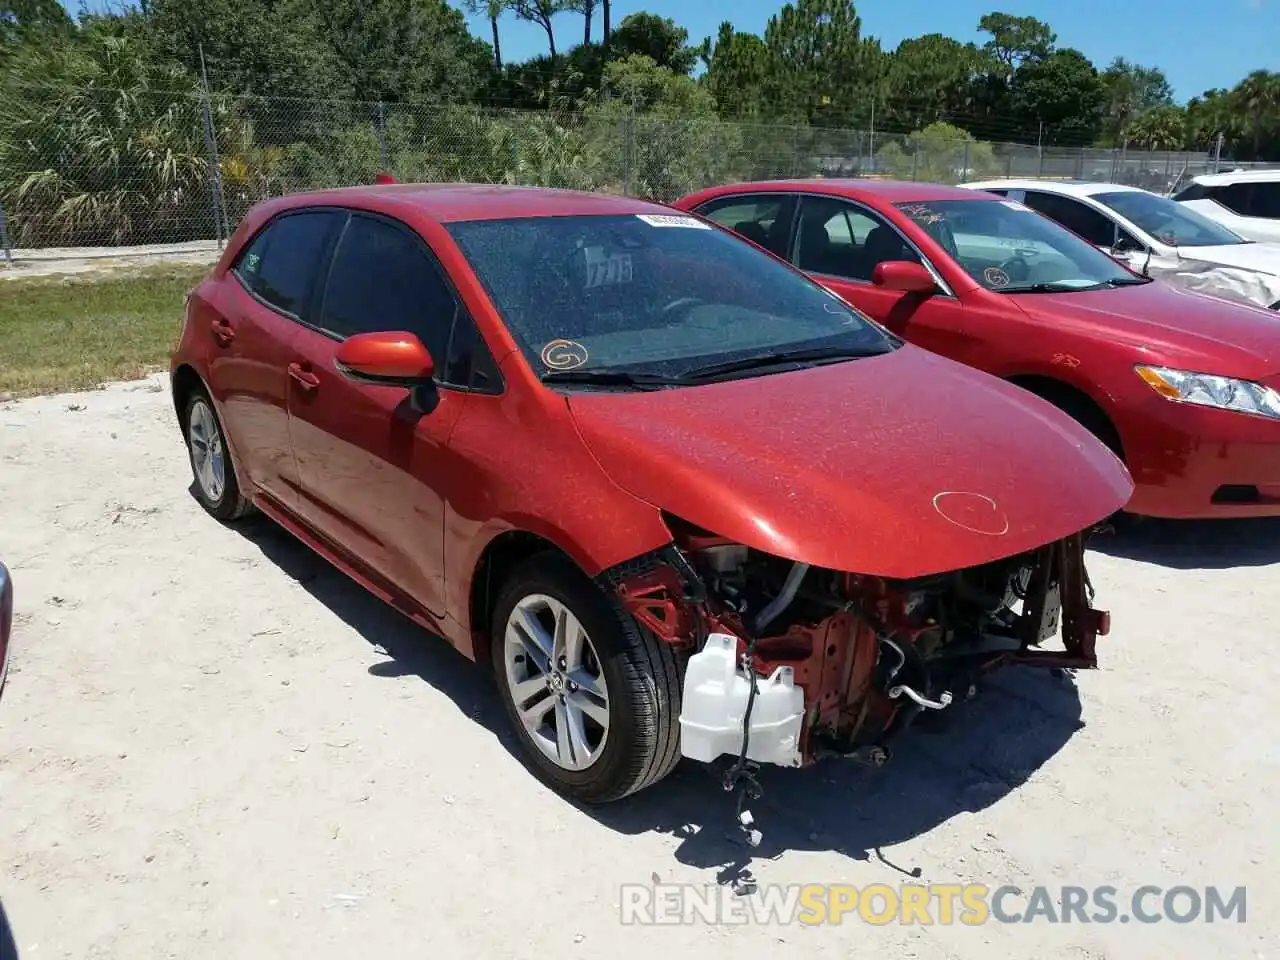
x=903, y=275
x=394, y=358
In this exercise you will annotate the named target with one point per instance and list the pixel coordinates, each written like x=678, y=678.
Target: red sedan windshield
x=659, y=293
x=1010, y=248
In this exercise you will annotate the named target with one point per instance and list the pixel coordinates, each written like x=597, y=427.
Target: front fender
x=541, y=480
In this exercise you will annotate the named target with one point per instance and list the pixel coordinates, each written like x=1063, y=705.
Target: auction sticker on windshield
x=663, y=220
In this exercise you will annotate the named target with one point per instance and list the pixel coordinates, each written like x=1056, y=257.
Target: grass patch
x=77, y=332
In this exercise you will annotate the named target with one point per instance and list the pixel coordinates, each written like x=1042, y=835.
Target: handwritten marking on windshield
x=564, y=354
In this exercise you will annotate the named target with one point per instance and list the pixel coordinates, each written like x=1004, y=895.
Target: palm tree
x=1259, y=94
x=109, y=148
x=1160, y=128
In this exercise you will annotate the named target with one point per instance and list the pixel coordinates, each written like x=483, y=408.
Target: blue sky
x=1198, y=43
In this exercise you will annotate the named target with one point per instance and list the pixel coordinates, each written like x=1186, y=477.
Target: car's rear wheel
x=594, y=697
x=211, y=466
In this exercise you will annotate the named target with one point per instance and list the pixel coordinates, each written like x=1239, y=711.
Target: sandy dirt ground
x=214, y=746
x=99, y=261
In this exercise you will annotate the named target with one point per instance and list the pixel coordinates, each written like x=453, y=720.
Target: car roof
x=1237, y=176
x=453, y=202
x=892, y=191
x=1069, y=188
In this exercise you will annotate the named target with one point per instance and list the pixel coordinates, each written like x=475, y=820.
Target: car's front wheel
x=215, y=478
x=595, y=698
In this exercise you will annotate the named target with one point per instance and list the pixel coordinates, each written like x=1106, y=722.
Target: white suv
x=1246, y=201
x=1154, y=235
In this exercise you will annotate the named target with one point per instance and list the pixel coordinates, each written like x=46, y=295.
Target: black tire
x=642, y=675
x=228, y=504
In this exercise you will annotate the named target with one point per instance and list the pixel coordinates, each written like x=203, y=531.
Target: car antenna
x=1146, y=263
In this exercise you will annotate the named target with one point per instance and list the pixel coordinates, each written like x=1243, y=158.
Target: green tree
x=1064, y=92
x=1132, y=90
x=647, y=86
x=660, y=39
x=1158, y=128
x=822, y=70
x=1258, y=95
x=23, y=21
x=1212, y=113
x=930, y=78
x=738, y=70
x=263, y=48
x=1016, y=40
x=658, y=137
x=107, y=148
x=416, y=50
x=938, y=153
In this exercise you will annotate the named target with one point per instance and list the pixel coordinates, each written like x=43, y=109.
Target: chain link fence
x=109, y=170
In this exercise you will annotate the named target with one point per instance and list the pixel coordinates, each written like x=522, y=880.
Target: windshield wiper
x=1051, y=286
x=614, y=378
x=775, y=358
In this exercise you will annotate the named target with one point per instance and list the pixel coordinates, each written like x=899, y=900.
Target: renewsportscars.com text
x=928, y=904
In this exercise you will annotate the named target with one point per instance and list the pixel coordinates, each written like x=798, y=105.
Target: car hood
x=1259, y=257
x=900, y=465
x=1169, y=324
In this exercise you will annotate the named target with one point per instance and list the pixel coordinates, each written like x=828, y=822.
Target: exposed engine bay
x=864, y=655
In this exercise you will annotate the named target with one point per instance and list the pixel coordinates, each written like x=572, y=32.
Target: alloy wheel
x=554, y=675
x=207, y=458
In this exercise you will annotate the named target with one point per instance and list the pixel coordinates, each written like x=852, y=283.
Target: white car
x=1154, y=235
x=1245, y=201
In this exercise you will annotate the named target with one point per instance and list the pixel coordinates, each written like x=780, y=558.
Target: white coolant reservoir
x=715, y=700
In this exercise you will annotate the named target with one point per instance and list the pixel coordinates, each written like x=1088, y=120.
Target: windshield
x=1008, y=247
x=657, y=294
x=1167, y=220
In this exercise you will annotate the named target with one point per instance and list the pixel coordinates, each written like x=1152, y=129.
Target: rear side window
x=1075, y=216
x=765, y=221
x=1266, y=200
x=282, y=263
x=383, y=279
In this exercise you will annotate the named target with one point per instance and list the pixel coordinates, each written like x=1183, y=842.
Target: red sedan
x=6, y=621
x=1184, y=387
x=684, y=499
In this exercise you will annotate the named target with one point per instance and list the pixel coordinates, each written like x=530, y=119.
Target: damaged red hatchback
x=684, y=500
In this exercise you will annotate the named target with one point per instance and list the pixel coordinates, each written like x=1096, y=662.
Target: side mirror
x=903, y=275
x=393, y=359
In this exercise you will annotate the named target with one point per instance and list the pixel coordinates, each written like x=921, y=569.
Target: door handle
x=305, y=378
x=222, y=331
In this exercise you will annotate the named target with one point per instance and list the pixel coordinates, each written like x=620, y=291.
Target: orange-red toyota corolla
x=683, y=499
